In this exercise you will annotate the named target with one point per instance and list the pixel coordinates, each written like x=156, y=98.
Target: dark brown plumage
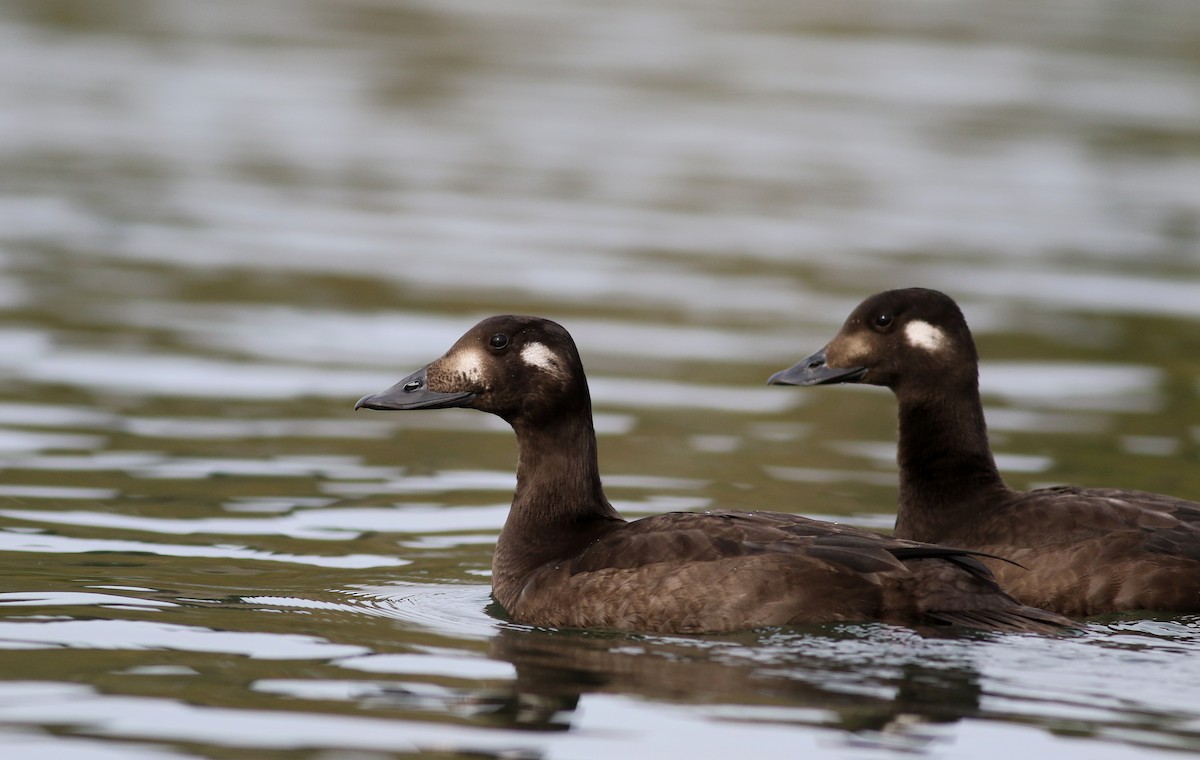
x=566, y=558
x=1088, y=551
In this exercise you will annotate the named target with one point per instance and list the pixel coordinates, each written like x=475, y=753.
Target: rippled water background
x=222, y=222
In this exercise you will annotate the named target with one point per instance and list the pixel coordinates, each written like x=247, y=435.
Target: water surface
x=223, y=222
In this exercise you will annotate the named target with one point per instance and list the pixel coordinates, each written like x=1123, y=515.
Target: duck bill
x=413, y=393
x=814, y=370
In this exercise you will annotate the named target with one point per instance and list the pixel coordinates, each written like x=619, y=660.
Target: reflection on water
x=223, y=222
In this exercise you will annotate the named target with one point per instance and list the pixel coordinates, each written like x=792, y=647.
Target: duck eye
x=498, y=341
x=883, y=321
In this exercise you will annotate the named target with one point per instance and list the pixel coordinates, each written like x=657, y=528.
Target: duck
x=1073, y=550
x=565, y=558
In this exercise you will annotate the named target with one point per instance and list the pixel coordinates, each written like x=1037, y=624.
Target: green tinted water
x=222, y=223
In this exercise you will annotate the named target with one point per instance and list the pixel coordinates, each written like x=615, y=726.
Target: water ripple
x=59, y=598
x=452, y=610
x=312, y=524
x=140, y=635
x=42, y=543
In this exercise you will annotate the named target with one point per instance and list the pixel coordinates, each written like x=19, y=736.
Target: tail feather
x=962, y=557
x=1014, y=618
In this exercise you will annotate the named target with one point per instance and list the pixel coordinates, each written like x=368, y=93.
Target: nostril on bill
x=411, y=386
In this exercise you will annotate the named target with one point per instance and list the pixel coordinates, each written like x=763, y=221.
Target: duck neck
x=947, y=472
x=559, y=505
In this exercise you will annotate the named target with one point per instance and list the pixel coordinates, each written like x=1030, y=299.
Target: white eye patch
x=925, y=336
x=538, y=355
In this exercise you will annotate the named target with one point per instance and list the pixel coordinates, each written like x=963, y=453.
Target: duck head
x=901, y=339
x=516, y=367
